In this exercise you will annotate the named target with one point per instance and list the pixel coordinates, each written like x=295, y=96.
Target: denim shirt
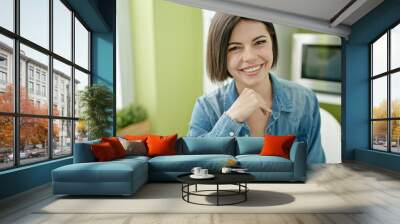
x=295, y=111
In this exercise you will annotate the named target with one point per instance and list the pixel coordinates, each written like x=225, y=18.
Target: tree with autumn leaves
x=380, y=127
x=33, y=131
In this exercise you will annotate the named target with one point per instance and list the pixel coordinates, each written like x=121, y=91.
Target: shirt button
x=231, y=133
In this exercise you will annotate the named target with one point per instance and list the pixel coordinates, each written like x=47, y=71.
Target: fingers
x=253, y=101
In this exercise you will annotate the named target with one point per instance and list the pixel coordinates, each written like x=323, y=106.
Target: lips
x=252, y=70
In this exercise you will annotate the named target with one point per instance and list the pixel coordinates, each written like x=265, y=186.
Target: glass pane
x=35, y=21
x=34, y=97
x=6, y=142
x=62, y=29
x=62, y=89
x=81, y=45
x=81, y=131
x=395, y=94
x=395, y=47
x=379, y=97
x=81, y=81
x=379, y=135
x=395, y=132
x=7, y=14
x=33, y=139
x=379, y=55
x=62, y=138
x=6, y=74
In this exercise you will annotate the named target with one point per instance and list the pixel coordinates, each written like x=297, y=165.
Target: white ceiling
x=318, y=15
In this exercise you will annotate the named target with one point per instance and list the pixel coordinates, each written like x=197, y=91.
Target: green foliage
x=97, y=104
x=130, y=115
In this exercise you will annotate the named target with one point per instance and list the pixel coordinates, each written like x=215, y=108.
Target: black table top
x=220, y=178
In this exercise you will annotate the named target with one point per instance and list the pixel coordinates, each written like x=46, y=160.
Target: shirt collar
x=281, y=101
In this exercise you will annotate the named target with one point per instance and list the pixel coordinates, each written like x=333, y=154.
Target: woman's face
x=250, y=54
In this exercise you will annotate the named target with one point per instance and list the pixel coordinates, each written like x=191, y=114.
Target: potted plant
x=132, y=120
x=96, y=102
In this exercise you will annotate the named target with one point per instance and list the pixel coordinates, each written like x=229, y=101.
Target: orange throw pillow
x=161, y=145
x=277, y=145
x=116, y=145
x=136, y=137
x=103, y=152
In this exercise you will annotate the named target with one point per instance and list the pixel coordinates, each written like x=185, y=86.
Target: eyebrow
x=252, y=40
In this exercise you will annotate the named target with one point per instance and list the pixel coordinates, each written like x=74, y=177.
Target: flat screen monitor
x=321, y=62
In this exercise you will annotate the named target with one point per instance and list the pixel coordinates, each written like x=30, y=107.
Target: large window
x=44, y=64
x=385, y=92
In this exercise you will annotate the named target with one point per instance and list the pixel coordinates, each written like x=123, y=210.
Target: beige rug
x=166, y=198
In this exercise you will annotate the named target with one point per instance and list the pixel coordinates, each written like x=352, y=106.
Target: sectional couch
x=125, y=176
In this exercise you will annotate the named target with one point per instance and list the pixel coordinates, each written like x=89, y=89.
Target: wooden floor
x=378, y=188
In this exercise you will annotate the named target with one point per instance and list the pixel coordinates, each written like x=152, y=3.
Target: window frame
x=388, y=74
x=16, y=115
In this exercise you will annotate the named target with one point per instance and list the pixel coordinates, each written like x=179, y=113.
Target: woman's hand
x=246, y=104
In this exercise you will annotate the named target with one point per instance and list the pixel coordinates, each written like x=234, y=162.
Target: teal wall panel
x=355, y=99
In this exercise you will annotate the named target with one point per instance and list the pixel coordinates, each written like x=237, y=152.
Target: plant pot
x=140, y=128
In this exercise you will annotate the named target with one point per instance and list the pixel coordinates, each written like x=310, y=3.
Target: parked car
x=22, y=155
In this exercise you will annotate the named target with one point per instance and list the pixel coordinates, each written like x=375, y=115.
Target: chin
x=252, y=81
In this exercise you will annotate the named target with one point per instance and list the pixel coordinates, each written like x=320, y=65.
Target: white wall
x=125, y=92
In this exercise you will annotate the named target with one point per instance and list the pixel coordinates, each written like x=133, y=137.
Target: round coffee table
x=238, y=179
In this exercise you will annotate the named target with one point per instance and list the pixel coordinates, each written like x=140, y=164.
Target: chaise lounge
x=125, y=176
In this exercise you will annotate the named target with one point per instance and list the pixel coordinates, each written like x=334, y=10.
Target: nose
x=248, y=55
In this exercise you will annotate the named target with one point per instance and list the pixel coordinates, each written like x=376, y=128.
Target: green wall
x=167, y=61
x=333, y=109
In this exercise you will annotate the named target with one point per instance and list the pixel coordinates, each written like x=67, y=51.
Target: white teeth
x=252, y=69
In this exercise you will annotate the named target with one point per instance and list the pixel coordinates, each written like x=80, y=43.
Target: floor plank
x=376, y=189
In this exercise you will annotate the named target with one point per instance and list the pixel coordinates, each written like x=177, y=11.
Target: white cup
x=226, y=170
x=203, y=172
x=196, y=170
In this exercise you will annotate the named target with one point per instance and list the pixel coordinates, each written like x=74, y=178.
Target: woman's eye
x=261, y=42
x=233, y=48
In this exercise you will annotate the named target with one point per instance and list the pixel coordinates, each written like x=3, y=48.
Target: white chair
x=331, y=137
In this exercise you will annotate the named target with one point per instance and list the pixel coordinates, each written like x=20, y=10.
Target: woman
x=255, y=102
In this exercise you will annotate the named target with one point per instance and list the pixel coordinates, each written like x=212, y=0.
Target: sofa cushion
x=116, y=145
x=103, y=152
x=185, y=163
x=83, y=152
x=277, y=145
x=131, y=158
x=111, y=171
x=249, y=145
x=136, y=137
x=161, y=145
x=257, y=163
x=206, y=145
x=134, y=147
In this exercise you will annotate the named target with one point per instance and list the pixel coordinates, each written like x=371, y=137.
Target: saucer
x=208, y=176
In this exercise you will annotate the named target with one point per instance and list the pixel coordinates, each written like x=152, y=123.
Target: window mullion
x=50, y=81
x=389, y=106
x=73, y=82
x=371, y=99
x=16, y=84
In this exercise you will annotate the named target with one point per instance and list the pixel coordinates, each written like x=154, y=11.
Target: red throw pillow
x=277, y=145
x=103, y=151
x=116, y=145
x=161, y=145
x=136, y=137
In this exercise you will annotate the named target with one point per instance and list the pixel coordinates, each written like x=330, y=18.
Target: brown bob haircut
x=218, y=38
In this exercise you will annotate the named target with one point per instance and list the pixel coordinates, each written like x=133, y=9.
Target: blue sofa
x=125, y=176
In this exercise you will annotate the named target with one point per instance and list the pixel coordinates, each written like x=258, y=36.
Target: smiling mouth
x=251, y=70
